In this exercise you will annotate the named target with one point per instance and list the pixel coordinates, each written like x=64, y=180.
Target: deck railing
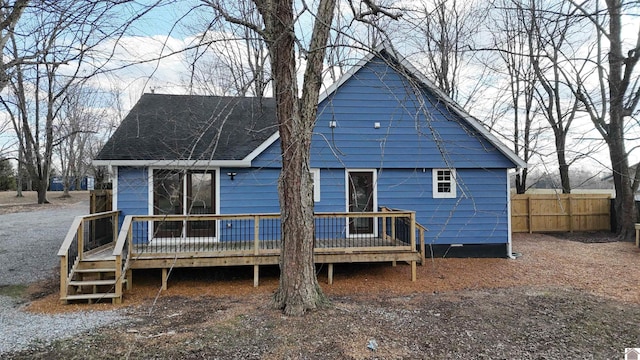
x=86, y=233
x=260, y=234
x=121, y=251
x=419, y=228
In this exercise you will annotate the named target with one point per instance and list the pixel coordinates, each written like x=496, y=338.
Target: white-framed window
x=315, y=176
x=444, y=183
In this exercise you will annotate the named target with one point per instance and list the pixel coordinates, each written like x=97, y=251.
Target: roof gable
x=444, y=103
x=191, y=128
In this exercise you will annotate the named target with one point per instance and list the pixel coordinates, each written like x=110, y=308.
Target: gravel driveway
x=29, y=243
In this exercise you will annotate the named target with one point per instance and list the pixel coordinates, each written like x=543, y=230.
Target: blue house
x=385, y=137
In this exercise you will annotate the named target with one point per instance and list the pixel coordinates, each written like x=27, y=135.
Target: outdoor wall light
x=231, y=175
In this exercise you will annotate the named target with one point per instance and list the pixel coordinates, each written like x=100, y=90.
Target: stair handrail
x=76, y=235
x=71, y=234
x=124, y=239
x=123, y=235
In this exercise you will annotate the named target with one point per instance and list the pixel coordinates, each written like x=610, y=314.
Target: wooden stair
x=93, y=281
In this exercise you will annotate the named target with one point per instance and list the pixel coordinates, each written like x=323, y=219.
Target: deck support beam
x=256, y=275
x=330, y=273
x=164, y=278
x=129, y=275
x=414, y=271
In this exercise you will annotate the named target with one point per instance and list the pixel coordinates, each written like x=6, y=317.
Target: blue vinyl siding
x=133, y=197
x=477, y=216
x=252, y=191
x=133, y=191
x=416, y=131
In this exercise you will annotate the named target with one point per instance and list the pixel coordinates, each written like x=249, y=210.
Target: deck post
x=118, y=276
x=384, y=225
x=80, y=237
x=164, y=278
x=422, y=248
x=256, y=249
x=63, y=279
x=330, y=274
x=413, y=245
x=129, y=279
x=413, y=231
x=114, y=222
x=256, y=235
x=393, y=263
x=414, y=271
x=256, y=275
x=394, y=220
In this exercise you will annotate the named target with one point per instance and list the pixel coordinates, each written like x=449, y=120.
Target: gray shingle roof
x=192, y=127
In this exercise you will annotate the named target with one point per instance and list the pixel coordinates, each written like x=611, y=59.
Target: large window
x=444, y=183
x=180, y=192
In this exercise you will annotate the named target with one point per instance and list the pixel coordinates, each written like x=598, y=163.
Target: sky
x=174, y=26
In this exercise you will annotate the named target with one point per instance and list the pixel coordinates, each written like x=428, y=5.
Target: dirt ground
x=10, y=203
x=560, y=299
x=565, y=296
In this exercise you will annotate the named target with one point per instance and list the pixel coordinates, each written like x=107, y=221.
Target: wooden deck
x=127, y=252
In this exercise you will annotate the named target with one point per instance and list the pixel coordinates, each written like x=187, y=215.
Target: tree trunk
x=563, y=167
x=41, y=185
x=20, y=176
x=625, y=202
x=298, y=289
x=521, y=181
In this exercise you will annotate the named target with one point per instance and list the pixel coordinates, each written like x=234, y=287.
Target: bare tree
x=64, y=35
x=81, y=118
x=511, y=43
x=444, y=33
x=613, y=102
x=10, y=13
x=549, y=31
x=296, y=110
x=230, y=59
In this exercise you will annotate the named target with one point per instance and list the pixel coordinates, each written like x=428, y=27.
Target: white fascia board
x=475, y=123
x=175, y=163
x=262, y=147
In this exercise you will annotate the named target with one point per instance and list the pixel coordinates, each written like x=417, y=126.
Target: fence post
x=529, y=215
x=570, y=213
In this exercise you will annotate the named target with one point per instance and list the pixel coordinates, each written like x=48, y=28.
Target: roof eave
x=174, y=163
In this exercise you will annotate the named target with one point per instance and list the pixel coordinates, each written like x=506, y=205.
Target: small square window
x=444, y=184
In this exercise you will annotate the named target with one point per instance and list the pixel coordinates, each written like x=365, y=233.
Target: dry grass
x=10, y=203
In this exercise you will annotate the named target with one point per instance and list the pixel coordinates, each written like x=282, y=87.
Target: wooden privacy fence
x=560, y=212
x=100, y=201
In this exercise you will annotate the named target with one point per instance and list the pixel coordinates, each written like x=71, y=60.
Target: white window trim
x=375, y=200
x=184, y=195
x=315, y=172
x=440, y=195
